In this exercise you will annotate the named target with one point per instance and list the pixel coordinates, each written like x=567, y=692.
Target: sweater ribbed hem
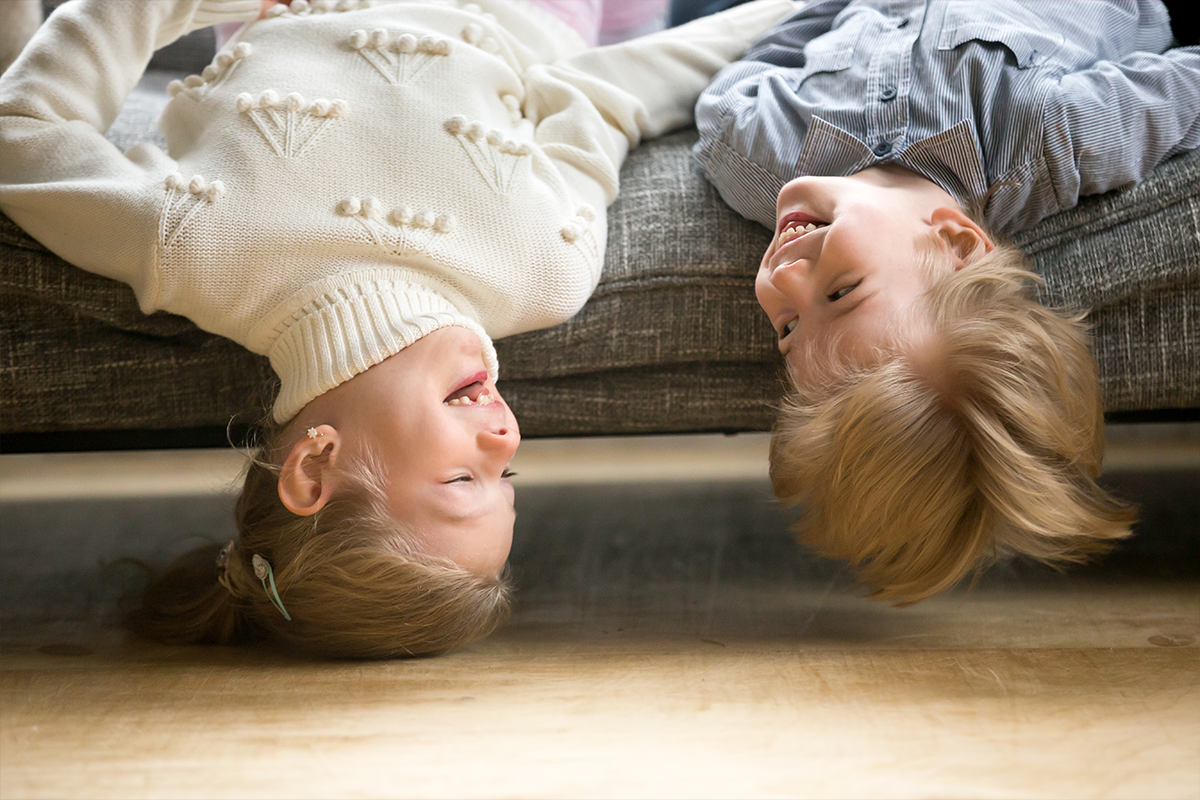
x=343, y=332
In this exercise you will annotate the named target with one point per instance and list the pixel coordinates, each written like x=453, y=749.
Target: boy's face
x=845, y=260
x=445, y=437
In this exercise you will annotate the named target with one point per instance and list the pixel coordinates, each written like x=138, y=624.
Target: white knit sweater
x=346, y=177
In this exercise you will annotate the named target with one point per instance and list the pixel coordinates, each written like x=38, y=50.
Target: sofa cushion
x=671, y=341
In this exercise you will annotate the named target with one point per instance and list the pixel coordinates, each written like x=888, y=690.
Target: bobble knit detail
x=291, y=125
x=302, y=8
x=473, y=34
x=578, y=232
x=496, y=157
x=514, y=107
x=400, y=58
x=181, y=202
x=214, y=74
x=403, y=232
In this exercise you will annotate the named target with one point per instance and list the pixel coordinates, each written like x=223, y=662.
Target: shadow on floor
x=690, y=559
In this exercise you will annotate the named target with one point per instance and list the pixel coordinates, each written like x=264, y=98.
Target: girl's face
x=445, y=438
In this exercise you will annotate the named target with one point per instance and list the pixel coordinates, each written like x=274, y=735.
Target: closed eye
x=468, y=479
x=845, y=290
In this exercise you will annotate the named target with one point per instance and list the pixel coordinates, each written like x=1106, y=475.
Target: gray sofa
x=672, y=341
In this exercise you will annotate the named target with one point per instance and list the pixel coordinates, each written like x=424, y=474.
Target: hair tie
x=223, y=566
x=262, y=571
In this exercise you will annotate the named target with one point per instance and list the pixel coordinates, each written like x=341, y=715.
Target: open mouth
x=471, y=393
x=793, y=226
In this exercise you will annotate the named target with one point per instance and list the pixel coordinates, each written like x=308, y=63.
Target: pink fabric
x=582, y=15
x=608, y=21
x=618, y=19
x=626, y=14
x=224, y=31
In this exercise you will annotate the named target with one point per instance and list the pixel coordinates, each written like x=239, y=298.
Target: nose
x=500, y=440
x=787, y=284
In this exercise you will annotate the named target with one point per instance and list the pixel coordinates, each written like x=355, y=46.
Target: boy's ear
x=306, y=478
x=960, y=233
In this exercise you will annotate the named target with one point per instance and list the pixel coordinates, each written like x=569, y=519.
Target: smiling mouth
x=796, y=228
x=471, y=393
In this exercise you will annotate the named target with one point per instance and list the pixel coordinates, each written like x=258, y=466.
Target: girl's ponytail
x=350, y=581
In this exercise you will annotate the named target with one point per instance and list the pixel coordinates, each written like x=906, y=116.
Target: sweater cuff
x=214, y=12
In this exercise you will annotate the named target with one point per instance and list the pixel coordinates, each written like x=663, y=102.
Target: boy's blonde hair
x=347, y=575
x=974, y=432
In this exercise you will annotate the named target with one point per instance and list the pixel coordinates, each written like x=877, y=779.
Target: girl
x=366, y=193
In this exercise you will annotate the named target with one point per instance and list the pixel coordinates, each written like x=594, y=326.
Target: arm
x=590, y=109
x=1110, y=125
x=664, y=73
x=59, y=178
x=784, y=45
x=748, y=129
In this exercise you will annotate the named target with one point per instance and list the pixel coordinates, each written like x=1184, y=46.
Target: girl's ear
x=306, y=479
x=962, y=236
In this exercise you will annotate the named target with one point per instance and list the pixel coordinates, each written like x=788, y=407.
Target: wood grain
x=670, y=641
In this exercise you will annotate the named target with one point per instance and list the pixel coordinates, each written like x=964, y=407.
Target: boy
x=941, y=416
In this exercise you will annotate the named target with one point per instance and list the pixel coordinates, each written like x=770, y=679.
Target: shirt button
x=882, y=149
x=888, y=93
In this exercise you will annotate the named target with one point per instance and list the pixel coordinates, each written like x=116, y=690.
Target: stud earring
x=312, y=433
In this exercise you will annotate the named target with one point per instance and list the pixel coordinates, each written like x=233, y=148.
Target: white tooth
x=810, y=227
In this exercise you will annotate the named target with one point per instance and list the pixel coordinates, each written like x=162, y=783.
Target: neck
x=894, y=176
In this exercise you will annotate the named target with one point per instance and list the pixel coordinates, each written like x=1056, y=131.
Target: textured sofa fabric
x=672, y=340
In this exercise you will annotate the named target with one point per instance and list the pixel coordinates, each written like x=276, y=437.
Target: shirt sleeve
x=748, y=133
x=784, y=45
x=60, y=179
x=1112, y=124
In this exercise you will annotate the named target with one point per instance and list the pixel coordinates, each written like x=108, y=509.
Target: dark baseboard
x=240, y=435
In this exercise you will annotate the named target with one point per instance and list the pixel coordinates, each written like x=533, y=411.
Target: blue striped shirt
x=1045, y=101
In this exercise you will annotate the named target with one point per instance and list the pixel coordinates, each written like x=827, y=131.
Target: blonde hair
x=975, y=431
x=347, y=575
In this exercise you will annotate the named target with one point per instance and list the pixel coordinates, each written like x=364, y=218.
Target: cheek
x=764, y=292
x=482, y=552
x=875, y=242
x=795, y=367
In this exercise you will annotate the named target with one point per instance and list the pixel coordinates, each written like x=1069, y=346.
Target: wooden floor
x=670, y=641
